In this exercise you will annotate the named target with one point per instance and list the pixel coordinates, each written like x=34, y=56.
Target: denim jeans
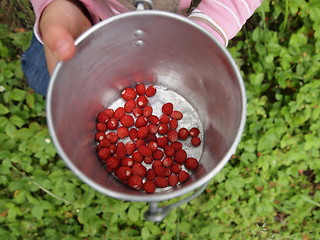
x=34, y=67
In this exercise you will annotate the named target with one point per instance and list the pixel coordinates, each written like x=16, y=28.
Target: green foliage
x=268, y=190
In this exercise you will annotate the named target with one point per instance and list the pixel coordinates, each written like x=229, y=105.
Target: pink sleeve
x=224, y=18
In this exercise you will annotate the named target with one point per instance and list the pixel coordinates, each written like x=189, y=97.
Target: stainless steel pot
x=151, y=47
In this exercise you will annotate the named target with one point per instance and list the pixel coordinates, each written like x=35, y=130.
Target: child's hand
x=61, y=23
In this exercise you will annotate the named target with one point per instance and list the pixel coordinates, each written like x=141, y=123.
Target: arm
x=224, y=18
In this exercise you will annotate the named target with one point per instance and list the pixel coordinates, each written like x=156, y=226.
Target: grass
x=268, y=190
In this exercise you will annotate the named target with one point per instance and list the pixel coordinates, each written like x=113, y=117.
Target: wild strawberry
x=133, y=134
x=112, y=162
x=183, y=133
x=167, y=108
x=176, y=145
x=98, y=147
x=142, y=101
x=119, y=113
x=152, y=145
x=162, y=141
x=127, y=121
x=169, y=151
x=137, y=112
x=173, y=123
x=161, y=182
x=164, y=119
x=112, y=136
x=173, y=180
x=151, y=91
x=126, y=162
x=176, y=168
x=149, y=187
x=180, y=156
x=139, y=169
x=195, y=141
x=176, y=115
x=151, y=137
x=123, y=173
x=194, y=132
x=145, y=151
x=104, y=142
x=140, y=89
x=157, y=154
x=153, y=129
x=191, y=163
x=183, y=176
x=101, y=127
x=128, y=93
x=113, y=148
x=129, y=106
x=130, y=147
x=121, y=150
x=143, y=132
x=153, y=119
x=109, y=112
x=172, y=135
x=141, y=122
x=147, y=111
x=102, y=117
x=150, y=175
x=163, y=129
x=167, y=161
x=104, y=153
x=156, y=163
x=100, y=136
x=160, y=171
x=137, y=156
x=122, y=132
x=140, y=142
x=135, y=182
x=112, y=123
x=168, y=172
x=148, y=160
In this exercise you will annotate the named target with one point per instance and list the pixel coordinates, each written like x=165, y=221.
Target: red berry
x=161, y=182
x=128, y=93
x=137, y=156
x=194, y=132
x=135, y=182
x=113, y=148
x=172, y=135
x=173, y=180
x=173, y=123
x=102, y=117
x=104, y=142
x=100, y=136
x=123, y=173
x=141, y=122
x=127, y=162
x=191, y=163
x=164, y=119
x=156, y=163
x=140, y=142
x=160, y=171
x=153, y=128
x=140, y=89
x=122, y=132
x=127, y=121
x=148, y=160
x=112, y=123
x=176, y=115
x=142, y=101
x=149, y=187
x=143, y=132
x=183, y=133
x=151, y=175
x=139, y=169
x=147, y=111
x=151, y=137
x=180, y=156
x=163, y=129
x=104, y=153
x=130, y=147
x=145, y=151
x=153, y=146
x=121, y=150
x=167, y=161
x=109, y=112
x=167, y=108
x=162, y=141
x=169, y=150
x=157, y=154
x=129, y=106
x=119, y=113
x=137, y=112
x=112, y=162
x=176, y=145
x=195, y=141
x=183, y=176
x=154, y=120
x=101, y=127
x=133, y=134
x=151, y=91
x=112, y=136
x=176, y=168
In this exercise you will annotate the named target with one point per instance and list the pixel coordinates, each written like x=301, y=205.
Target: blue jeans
x=34, y=67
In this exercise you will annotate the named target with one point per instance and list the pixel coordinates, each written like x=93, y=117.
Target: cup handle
x=157, y=214
x=139, y=4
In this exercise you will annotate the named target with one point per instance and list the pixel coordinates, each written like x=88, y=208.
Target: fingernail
x=61, y=47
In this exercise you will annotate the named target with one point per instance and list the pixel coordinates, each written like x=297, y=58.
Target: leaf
x=3, y=109
x=18, y=94
x=18, y=121
x=133, y=213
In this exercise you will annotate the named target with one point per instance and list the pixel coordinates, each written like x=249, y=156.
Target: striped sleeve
x=224, y=18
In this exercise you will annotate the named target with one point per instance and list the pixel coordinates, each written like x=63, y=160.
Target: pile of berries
x=141, y=149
